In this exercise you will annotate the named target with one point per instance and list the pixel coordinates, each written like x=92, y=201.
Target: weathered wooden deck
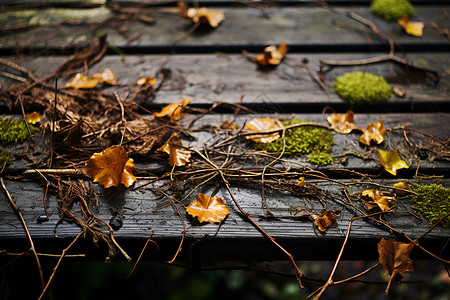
x=208, y=67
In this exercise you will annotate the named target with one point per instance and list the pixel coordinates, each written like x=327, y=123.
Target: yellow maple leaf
x=272, y=55
x=207, y=209
x=111, y=167
x=391, y=161
x=375, y=132
x=342, y=123
x=411, y=27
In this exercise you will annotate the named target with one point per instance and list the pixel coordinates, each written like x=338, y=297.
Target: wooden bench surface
x=208, y=67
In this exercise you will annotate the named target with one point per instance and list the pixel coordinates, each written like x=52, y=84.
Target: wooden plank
x=208, y=79
x=234, y=239
x=306, y=29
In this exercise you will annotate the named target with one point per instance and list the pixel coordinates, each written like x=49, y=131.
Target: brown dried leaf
x=395, y=260
x=375, y=132
x=272, y=55
x=33, y=118
x=325, y=219
x=261, y=125
x=174, y=110
x=411, y=27
x=391, y=161
x=342, y=123
x=107, y=76
x=146, y=81
x=111, y=167
x=201, y=15
x=178, y=155
x=379, y=198
x=80, y=81
x=207, y=209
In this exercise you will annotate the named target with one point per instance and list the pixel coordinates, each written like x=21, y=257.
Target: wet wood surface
x=209, y=68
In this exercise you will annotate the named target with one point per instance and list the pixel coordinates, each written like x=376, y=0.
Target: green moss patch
x=5, y=159
x=361, y=87
x=302, y=140
x=392, y=10
x=433, y=200
x=14, y=131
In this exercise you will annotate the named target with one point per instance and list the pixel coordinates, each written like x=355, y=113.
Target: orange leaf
x=207, y=209
x=401, y=185
x=342, y=123
x=173, y=110
x=146, y=81
x=395, y=260
x=325, y=219
x=107, y=77
x=411, y=27
x=375, y=132
x=261, y=125
x=202, y=15
x=272, y=55
x=111, y=167
x=301, y=182
x=178, y=155
x=80, y=81
x=379, y=198
x=391, y=161
x=33, y=117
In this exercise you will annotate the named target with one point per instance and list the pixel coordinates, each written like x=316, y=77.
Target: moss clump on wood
x=14, y=131
x=433, y=201
x=5, y=159
x=301, y=140
x=392, y=10
x=361, y=87
x=320, y=158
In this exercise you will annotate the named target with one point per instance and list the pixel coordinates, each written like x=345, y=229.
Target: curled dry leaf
x=411, y=27
x=272, y=55
x=111, y=167
x=33, y=118
x=375, y=132
x=403, y=185
x=174, y=110
x=391, y=161
x=379, y=197
x=301, y=182
x=178, y=155
x=207, y=209
x=395, y=260
x=261, y=125
x=325, y=219
x=80, y=81
x=342, y=123
x=202, y=15
x=146, y=81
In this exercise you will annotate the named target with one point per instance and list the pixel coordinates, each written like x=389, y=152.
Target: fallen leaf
x=342, y=123
x=80, y=81
x=399, y=91
x=379, y=198
x=325, y=219
x=301, y=182
x=228, y=125
x=391, y=161
x=411, y=27
x=272, y=55
x=178, y=155
x=201, y=15
x=207, y=209
x=174, y=110
x=395, y=260
x=146, y=81
x=401, y=185
x=375, y=132
x=107, y=76
x=111, y=167
x=261, y=125
x=33, y=118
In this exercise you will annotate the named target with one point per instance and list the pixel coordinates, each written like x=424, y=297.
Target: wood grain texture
x=307, y=29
